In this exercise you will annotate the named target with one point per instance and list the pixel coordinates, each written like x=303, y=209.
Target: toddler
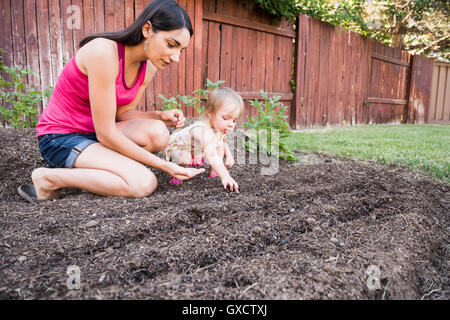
x=205, y=139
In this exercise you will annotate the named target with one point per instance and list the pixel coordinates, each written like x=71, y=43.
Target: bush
x=271, y=120
x=18, y=102
x=195, y=100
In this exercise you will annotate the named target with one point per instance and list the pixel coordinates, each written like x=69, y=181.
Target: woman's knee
x=159, y=137
x=143, y=185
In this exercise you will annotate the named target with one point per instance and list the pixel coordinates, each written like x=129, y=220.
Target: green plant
x=271, y=121
x=18, y=102
x=195, y=100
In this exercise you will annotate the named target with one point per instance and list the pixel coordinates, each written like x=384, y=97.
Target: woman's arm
x=102, y=69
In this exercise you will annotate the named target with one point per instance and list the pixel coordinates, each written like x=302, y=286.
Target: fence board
x=32, y=49
x=6, y=38
x=441, y=94
x=44, y=45
x=420, y=92
x=268, y=79
x=446, y=113
x=129, y=12
x=66, y=32
x=55, y=39
x=17, y=25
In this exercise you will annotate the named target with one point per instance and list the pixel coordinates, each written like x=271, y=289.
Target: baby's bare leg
x=181, y=157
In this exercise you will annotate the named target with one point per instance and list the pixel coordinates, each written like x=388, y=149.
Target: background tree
x=419, y=26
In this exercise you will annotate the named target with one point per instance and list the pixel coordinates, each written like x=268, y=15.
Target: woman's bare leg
x=103, y=171
x=98, y=170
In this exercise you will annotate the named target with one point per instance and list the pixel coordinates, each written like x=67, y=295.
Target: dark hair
x=164, y=15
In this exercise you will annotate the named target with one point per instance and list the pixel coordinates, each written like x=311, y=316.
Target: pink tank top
x=69, y=108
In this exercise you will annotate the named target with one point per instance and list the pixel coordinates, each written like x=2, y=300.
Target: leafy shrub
x=22, y=101
x=272, y=121
x=195, y=100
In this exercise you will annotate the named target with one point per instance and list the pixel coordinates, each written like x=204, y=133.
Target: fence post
x=420, y=89
x=297, y=115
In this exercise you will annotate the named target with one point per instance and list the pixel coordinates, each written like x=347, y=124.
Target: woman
x=91, y=132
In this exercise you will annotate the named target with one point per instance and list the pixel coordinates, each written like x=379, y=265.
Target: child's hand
x=229, y=182
x=229, y=162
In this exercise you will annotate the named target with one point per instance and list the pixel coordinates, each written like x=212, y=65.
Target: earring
x=145, y=44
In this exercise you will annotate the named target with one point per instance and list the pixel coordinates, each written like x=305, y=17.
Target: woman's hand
x=181, y=173
x=173, y=118
x=229, y=182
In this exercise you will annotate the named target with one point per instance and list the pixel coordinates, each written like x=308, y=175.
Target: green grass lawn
x=425, y=147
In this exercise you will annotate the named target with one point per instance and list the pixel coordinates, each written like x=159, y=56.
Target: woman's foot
x=45, y=190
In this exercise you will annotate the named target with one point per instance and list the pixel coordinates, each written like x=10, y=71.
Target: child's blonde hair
x=218, y=96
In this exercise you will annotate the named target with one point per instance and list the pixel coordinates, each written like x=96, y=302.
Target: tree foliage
x=419, y=26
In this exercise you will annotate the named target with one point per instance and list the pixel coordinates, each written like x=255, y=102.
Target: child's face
x=224, y=120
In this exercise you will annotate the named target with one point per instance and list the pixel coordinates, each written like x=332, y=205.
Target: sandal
x=28, y=192
x=174, y=180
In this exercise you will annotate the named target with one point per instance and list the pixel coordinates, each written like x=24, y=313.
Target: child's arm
x=229, y=160
x=209, y=146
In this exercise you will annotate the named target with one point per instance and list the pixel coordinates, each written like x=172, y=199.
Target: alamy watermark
x=73, y=282
x=373, y=281
x=74, y=20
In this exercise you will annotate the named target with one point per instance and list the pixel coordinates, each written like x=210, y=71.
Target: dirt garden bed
x=309, y=232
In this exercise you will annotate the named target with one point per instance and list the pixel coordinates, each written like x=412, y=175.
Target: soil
x=314, y=230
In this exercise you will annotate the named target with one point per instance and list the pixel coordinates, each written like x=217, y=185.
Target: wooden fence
x=439, y=111
x=340, y=77
x=344, y=78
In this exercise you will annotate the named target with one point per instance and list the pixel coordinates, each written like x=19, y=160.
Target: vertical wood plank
x=31, y=40
x=198, y=45
x=182, y=66
x=129, y=12
x=269, y=72
x=441, y=94
x=422, y=72
x=434, y=88
x=119, y=15
x=213, y=51
x=44, y=45
x=55, y=39
x=17, y=25
x=315, y=42
x=99, y=14
x=254, y=61
x=261, y=61
x=323, y=90
x=66, y=34
x=78, y=33
x=190, y=52
x=204, y=68
x=234, y=58
x=109, y=16
x=239, y=43
x=6, y=38
x=331, y=78
x=446, y=112
x=300, y=66
x=88, y=17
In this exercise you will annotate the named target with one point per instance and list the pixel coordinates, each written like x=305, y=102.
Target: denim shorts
x=61, y=150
